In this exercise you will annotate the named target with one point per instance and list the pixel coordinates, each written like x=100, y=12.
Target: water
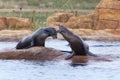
x=36, y=70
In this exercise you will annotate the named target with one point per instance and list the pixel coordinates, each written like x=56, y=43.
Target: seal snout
x=61, y=29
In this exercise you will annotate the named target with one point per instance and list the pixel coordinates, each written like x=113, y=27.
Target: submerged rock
x=85, y=59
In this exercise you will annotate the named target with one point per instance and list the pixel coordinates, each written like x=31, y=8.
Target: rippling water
x=35, y=70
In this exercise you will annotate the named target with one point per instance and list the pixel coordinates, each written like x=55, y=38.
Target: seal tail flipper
x=18, y=46
x=91, y=54
x=70, y=56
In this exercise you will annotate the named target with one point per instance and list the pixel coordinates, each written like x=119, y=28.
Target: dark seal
x=78, y=46
x=37, y=38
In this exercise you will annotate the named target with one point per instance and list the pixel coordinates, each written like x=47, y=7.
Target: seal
x=37, y=38
x=78, y=46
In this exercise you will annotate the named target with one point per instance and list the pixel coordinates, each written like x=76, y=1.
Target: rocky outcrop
x=108, y=12
x=85, y=59
x=3, y=23
x=48, y=54
x=15, y=23
x=34, y=53
x=82, y=60
x=105, y=16
x=59, y=18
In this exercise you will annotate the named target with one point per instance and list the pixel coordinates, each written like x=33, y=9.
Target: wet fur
x=37, y=38
x=76, y=43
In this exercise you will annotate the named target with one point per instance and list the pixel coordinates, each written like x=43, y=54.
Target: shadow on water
x=78, y=64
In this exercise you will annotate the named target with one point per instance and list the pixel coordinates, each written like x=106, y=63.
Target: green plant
x=56, y=4
x=33, y=2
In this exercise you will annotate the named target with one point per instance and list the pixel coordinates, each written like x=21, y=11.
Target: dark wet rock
x=48, y=54
x=85, y=59
x=34, y=53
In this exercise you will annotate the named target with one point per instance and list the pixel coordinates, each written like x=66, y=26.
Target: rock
x=106, y=24
x=51, y=20
x=111, y=4
x=105, y=16
x=98, y=35
x=18, y=23
x=48, y=54
x=85, y=22
x=72, y=22
x=77, y=60
x=58, y=18
x=34, y=53
x=13, y=35
x=15, y=23
x=63, y=17
x=3, y=23
x=112, y=31
x=108, y=12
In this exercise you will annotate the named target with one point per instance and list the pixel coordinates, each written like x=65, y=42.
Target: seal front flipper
x=91, y=54
x=70, y=56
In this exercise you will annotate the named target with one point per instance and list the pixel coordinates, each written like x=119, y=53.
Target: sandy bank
x=87, y=34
